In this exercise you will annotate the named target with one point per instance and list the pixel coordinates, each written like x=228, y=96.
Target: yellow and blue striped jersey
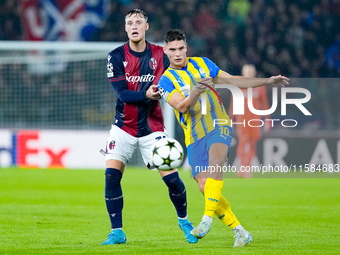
x=195, y=124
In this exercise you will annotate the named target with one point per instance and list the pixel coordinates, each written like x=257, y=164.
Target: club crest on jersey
x=112, y=144
x=202, y=72
x=153, y=63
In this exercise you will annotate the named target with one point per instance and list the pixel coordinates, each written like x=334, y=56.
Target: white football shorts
x=121, y=145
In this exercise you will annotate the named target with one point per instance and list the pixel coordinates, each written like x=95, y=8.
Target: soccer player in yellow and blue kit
x=208, y=143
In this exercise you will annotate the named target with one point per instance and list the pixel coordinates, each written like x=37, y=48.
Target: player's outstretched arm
x=279, y=80
x=245, y=82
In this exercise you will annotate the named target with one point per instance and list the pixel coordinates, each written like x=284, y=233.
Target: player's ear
x=146, y=26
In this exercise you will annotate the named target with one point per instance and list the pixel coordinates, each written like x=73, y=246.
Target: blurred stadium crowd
x=298, y=39
x=295, y=38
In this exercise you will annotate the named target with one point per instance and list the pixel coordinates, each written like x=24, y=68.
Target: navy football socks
x=177, y=193
x=114, y=196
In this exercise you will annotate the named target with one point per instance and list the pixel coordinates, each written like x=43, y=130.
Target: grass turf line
x=63, y=212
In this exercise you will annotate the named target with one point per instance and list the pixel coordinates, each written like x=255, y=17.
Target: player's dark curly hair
x=137, y=11
x=174, y=35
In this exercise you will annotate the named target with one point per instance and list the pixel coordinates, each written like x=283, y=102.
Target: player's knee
x=218, y=160
x=115, y=164
x=174, y=183
x=112, y=180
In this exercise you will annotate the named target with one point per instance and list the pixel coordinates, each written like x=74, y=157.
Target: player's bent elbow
x=181, y=105
x=183, y=109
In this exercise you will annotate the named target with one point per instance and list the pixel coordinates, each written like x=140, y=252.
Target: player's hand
x=204, y=84
x=279, y=80
x=153, y=93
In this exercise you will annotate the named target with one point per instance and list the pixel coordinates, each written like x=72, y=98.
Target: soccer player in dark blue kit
x=132, y=69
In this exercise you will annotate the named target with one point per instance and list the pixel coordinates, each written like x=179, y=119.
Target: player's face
x=177, y=53
x=135, y=27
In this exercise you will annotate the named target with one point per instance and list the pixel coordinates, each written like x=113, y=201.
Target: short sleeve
x=166, y=88
x=213, y=68
x=115, y=67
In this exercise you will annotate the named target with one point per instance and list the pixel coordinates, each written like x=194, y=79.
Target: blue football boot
x=116, y=236
x=187, y=226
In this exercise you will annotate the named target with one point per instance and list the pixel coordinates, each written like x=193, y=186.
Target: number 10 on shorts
x=224, y=130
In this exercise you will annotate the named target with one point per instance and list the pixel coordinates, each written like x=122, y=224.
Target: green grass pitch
x=63, y=212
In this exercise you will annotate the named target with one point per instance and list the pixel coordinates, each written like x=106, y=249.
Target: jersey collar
x=139, y=54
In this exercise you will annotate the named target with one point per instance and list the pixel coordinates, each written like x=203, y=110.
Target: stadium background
x=63, y=212
x=297, y=38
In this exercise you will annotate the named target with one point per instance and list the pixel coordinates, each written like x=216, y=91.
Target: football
x=167, y=154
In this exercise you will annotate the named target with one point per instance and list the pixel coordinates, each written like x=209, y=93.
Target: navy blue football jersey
x=131, y=74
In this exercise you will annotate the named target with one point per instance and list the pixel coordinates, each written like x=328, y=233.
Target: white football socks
x=207, y=219
x=238, y=228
